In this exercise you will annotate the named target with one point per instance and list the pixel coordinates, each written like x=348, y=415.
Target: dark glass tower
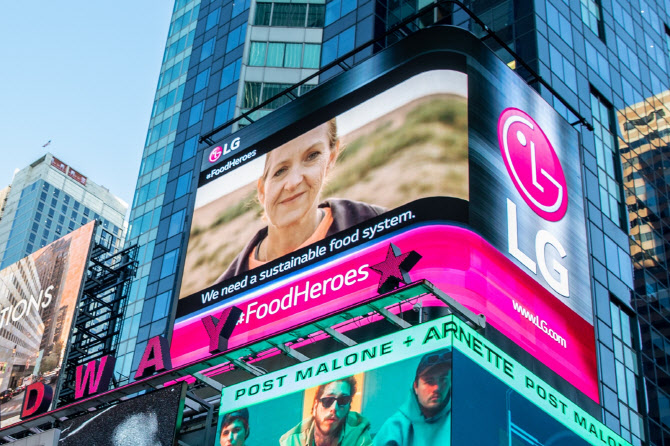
x=602, y=65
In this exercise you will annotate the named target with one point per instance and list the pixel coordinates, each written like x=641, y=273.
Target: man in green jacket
x=332, y=422
x=425, y=418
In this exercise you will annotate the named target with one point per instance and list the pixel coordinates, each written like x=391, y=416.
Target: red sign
x=58, y=164
x=77, y=176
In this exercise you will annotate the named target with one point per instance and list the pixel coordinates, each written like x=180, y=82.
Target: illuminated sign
x=455, y=259
x=296, y=211
x=38, y=299
x=387, y=373
x=532, y=164
x=219, y=151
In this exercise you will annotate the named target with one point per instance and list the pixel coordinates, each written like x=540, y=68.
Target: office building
x=50, y=199
x=588, y=59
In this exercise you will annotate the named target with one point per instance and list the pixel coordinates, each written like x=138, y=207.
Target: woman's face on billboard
x=294, y=174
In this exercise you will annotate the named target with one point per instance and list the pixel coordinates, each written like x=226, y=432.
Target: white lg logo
x=537, y=174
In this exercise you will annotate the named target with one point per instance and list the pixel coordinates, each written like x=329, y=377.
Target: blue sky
x=82, y=74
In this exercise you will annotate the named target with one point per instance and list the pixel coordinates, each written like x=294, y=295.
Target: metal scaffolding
x=100, y=313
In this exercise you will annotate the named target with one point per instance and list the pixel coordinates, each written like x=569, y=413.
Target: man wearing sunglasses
x=425, y=418
x=332, y=422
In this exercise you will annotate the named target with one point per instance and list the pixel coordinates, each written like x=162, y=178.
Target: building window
x=338, y=8
x=559, y=23
x=212, y=19
x=169, y=263
x=201, y=81
x=301, y=15
x=161, y=305
x=183, y=185
x=207, y=49
x=239, y=6
x=628, y=57
x=650, y=16
x=174, y=72
x=236, y=37
x=184, y=20
x=563, y=68
x=190, y=147
x=338, y=46
x=627, y=373
x=654, y=50
x=256, y=93
x=225, y=111
x=609, y=169
x=622, y=16
x=168, y=100
x=592, y=16
x=196, y=113
x=230, y=73
x=287, y=55
x=176, y=223
x=179, y=46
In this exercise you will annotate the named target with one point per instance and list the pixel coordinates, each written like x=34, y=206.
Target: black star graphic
x=394, y=270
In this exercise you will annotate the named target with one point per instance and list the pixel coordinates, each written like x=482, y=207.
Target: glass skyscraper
x=152, y=182
x=602, y=65
x=49, y=199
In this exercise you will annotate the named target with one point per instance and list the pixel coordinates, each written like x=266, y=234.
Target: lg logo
x=215, y=154
x=218, y=151
x=536, y=172
x=532, y=164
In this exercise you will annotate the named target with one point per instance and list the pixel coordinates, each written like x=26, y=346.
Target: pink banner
x=456, y=260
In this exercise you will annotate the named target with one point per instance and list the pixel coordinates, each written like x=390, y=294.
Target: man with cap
x=332, y=422
x=425, y=418
x=235, y=428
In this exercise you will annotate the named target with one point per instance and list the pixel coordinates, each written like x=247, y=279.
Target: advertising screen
x=351, y=397
x=505, y=411
x=451, y=160
x=38, y=301
x=435, y=383
x=151, y=419
x=349, y=169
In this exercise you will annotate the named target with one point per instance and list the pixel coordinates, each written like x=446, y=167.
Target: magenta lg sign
x=536, y=172
x=532, y=164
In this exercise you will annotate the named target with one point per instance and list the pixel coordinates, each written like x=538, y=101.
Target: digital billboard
x=414, y=386
x=38, y=301
x=349, y=169
x=150, y=419
x=454, y=158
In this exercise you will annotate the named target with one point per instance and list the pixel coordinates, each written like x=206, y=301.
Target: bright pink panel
x=456, y=260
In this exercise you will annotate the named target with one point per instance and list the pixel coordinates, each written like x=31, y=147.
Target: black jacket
x=346, y=213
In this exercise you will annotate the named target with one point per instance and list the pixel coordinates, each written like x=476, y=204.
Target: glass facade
x=50, y=199
x=604, y=64
x=153, y=180
x=46, y=213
